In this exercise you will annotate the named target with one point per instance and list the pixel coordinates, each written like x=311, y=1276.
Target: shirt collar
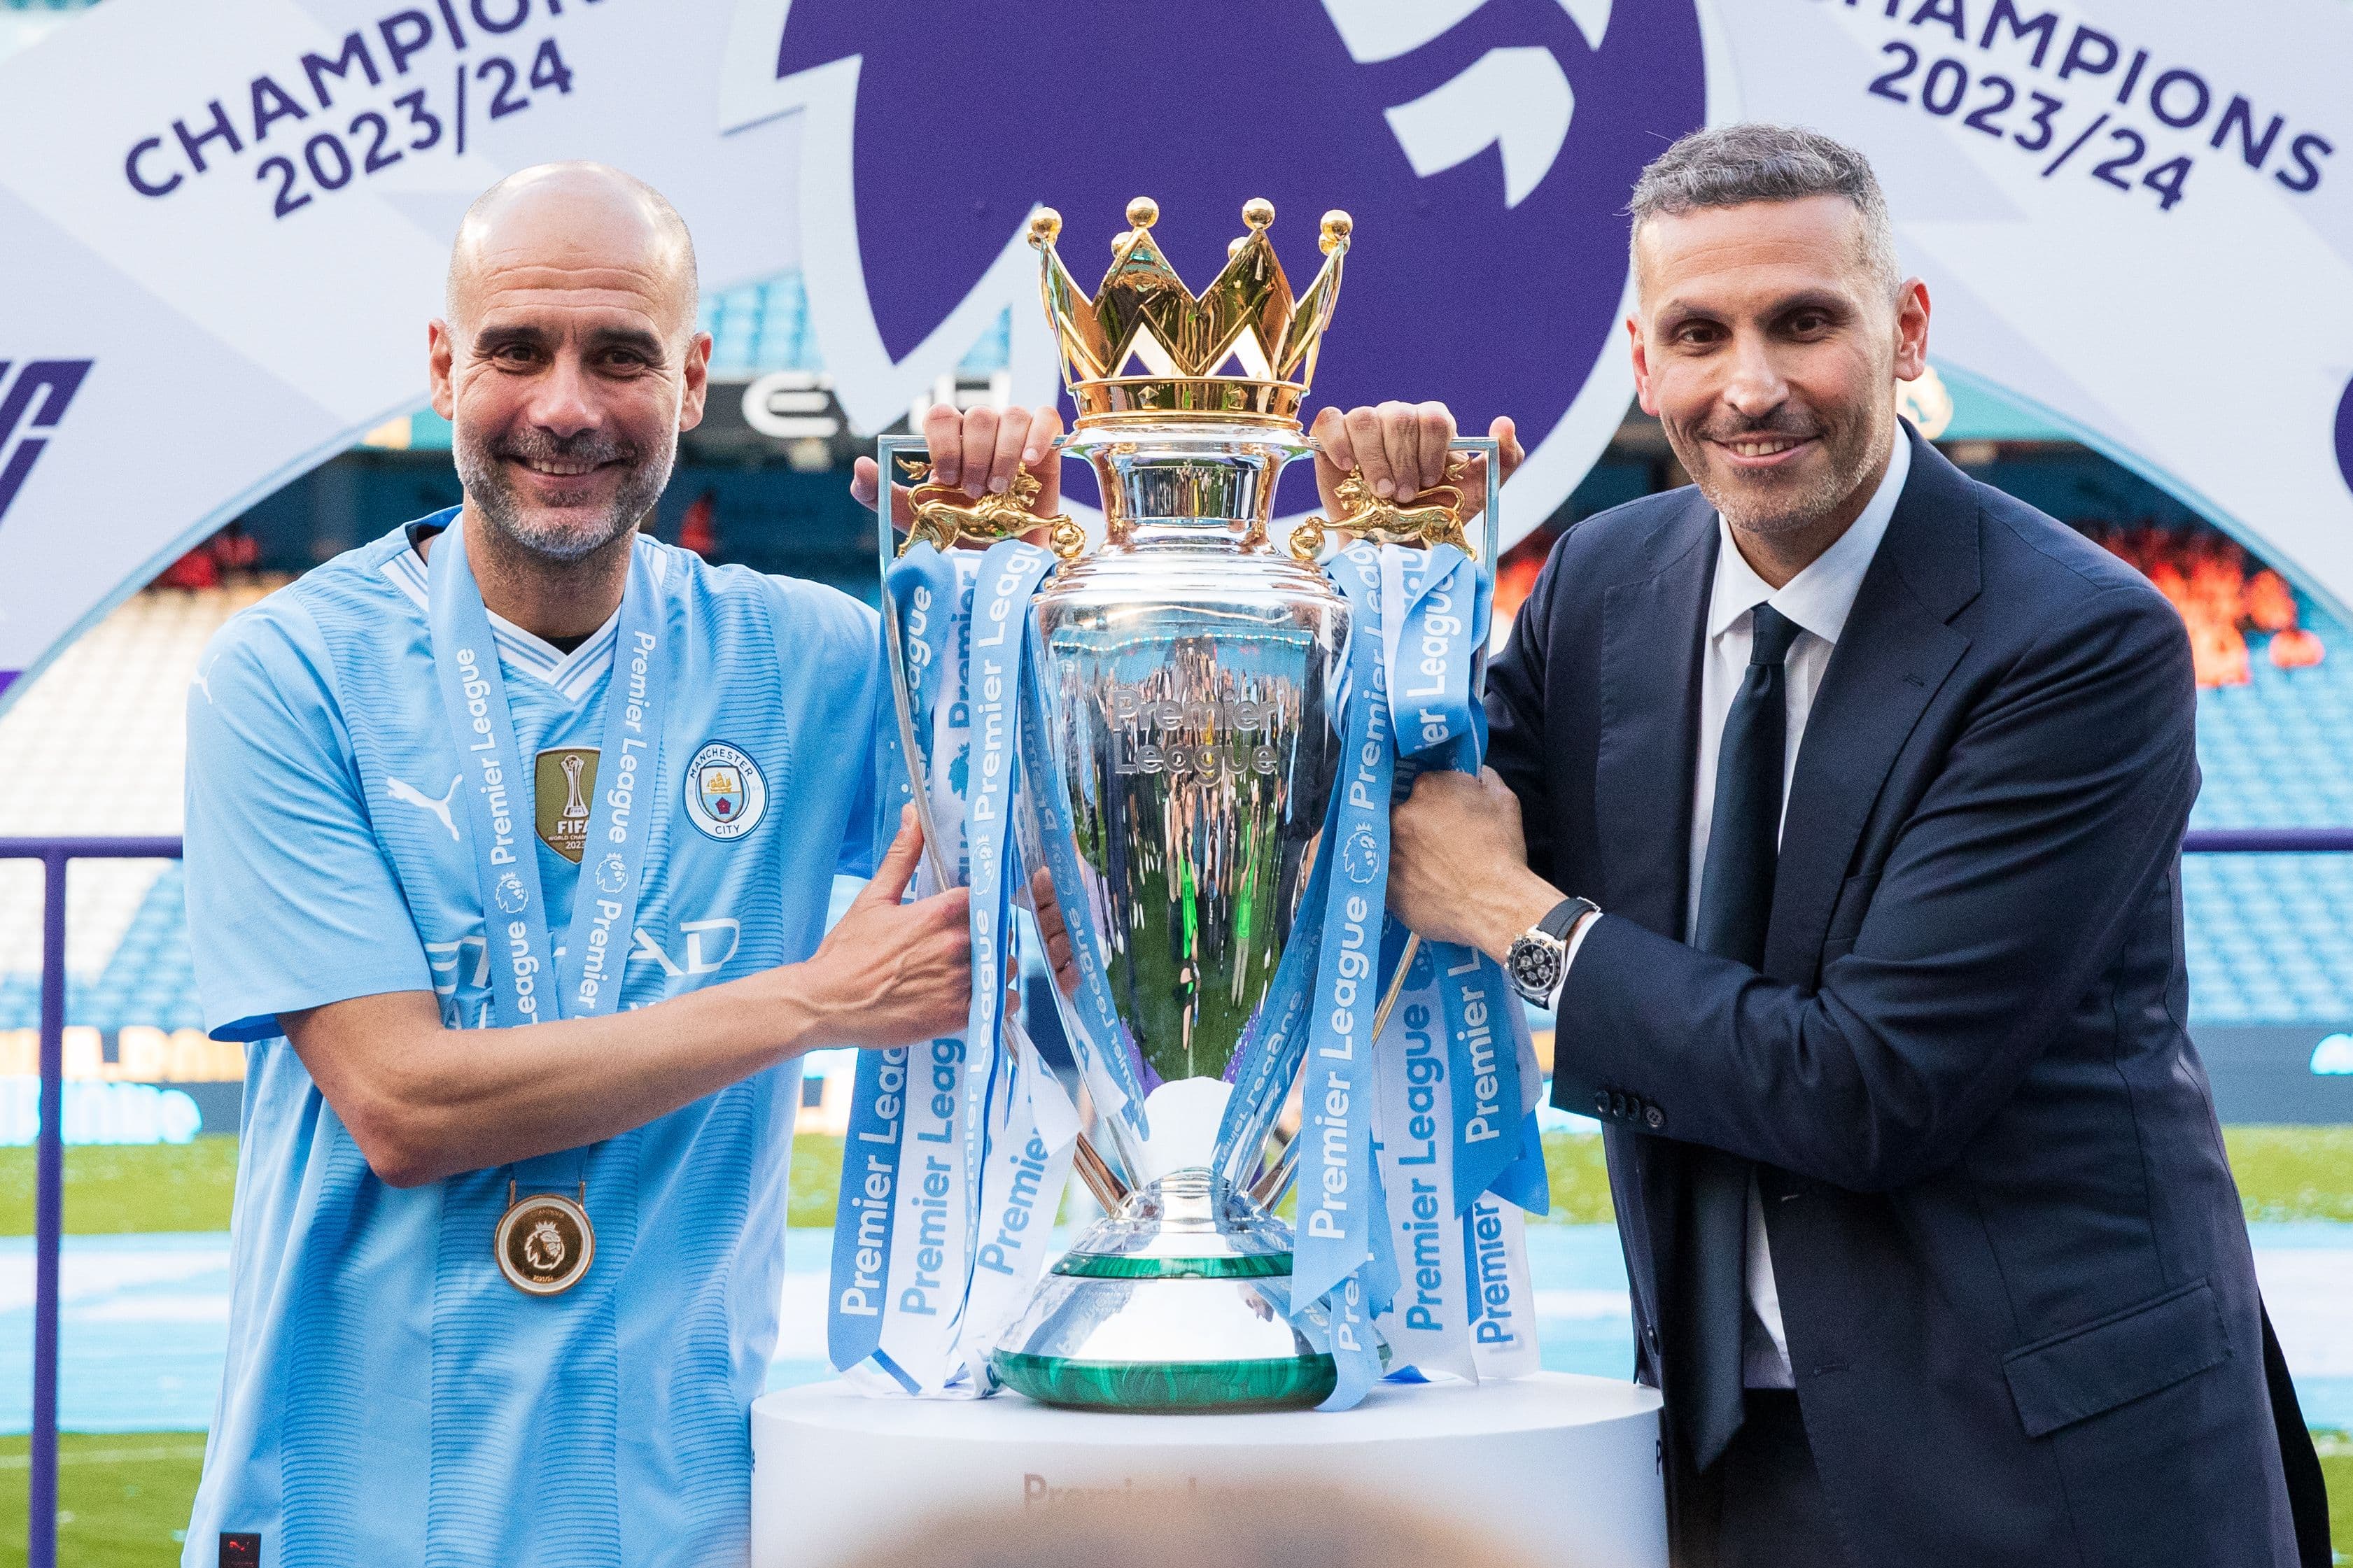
x=573, y=675
x=1819, y=597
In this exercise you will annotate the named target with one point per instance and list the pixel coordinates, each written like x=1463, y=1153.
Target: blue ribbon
x=586, y=979
x=1009, y=574
x=1338, y=1178
x=1435, y=646
x=869, y=1209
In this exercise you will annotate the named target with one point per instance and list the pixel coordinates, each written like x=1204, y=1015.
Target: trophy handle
x=1438, y=521
x=912, y=453
x=1275, y=1179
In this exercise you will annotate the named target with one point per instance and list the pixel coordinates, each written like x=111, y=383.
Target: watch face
x=1535, y=966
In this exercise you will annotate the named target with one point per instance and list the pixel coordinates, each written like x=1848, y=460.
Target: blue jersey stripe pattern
x=389, y=1397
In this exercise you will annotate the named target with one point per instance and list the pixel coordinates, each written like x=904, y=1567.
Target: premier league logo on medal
x=725, y=793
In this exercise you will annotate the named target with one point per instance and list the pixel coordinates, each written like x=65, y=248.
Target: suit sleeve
x=2060, y=807
x=1515, y=715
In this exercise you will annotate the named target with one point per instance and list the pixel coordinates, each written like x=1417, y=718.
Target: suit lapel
x=1648, y=699
x=1895, y=651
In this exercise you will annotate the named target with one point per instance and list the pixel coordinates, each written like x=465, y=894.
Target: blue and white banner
x=238, y=213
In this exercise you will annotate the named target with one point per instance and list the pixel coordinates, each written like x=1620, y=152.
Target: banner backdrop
x=223, y=226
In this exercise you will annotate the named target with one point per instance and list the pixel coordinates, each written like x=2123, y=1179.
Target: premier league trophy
x=1174, y=705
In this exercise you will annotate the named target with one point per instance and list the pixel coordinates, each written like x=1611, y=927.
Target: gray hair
x=1733, y=165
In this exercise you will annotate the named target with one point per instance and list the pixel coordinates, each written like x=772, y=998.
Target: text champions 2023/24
x=1983, y=64
x=417, y=80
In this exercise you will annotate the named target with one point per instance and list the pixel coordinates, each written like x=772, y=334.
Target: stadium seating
x=764, y=327
x=96, y=744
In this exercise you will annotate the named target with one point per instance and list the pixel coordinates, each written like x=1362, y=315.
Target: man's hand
x=1401, y=447
x=979, y=452
x=1459, y=867
x=891, y=974
x=1050, y=925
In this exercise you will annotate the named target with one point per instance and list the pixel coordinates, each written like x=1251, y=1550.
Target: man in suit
x=1934, y=1254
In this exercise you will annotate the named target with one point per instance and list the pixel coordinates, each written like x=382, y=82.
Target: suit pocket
x=1846, y=916
x=2091, y=1369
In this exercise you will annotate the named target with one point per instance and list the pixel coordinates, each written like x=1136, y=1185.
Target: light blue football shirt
x=388, y=1397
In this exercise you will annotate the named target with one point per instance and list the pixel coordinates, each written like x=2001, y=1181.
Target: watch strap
x=1563, y=917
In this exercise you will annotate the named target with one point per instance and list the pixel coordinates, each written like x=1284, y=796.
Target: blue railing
x=48, y=1207
x=49, y=1159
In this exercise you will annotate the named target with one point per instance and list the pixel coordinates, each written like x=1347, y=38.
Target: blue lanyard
x=530, y=982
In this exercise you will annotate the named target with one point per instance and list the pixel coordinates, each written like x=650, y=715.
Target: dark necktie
x=1735, y=900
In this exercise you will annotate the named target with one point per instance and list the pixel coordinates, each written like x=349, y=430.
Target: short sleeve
x=291, y=903
x=838, y=643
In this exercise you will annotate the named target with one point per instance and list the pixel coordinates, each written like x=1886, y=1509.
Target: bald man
x=509, y=840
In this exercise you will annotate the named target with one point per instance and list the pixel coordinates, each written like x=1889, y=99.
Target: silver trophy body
x=1189, y=672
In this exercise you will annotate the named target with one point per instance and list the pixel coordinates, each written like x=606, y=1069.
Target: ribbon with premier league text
x=957, y=1148
x=1405, y=1255
x=1339, y=1193
x=499, y=804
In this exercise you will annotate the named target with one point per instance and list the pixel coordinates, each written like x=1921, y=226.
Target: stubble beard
x=1768, y=505
x=561, y=539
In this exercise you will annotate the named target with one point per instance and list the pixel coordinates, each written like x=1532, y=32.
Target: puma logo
x=409, y=794
x=203, y=680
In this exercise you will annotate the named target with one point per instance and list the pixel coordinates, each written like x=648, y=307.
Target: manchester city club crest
x=725, y=793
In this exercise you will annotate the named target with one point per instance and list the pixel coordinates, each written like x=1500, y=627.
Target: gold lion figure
x=944, y=515
x=1365, y=516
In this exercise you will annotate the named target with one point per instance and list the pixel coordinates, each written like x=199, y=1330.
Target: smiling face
x=569, y=364
x=1770, y=347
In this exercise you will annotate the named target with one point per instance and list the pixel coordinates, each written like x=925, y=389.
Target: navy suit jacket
x=2019, y=1294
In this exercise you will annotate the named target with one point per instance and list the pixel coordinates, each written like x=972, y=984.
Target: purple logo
x=2345, y=435
x=35, y=401
x=1486, y=149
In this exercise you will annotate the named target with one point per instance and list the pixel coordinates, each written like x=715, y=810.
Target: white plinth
x=1562, y=1469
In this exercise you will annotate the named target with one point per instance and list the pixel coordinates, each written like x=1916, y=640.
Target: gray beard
x=480, y=472
x=1768, y=516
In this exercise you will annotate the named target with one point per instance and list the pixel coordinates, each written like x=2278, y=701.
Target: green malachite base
x=1134, y=1266
x=1170, y=1387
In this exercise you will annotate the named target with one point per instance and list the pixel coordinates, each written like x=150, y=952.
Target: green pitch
x=123, y=1499
x=2284, y=1172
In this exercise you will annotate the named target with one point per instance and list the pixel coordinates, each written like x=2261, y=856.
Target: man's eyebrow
x=1676, y=313
x=636, y=338
x=490, y=340
x=1824, y=300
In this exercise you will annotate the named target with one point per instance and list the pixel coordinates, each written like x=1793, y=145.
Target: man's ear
x=698, y=382
x=1912, y=330
x=1642, y=366
x=439, y=351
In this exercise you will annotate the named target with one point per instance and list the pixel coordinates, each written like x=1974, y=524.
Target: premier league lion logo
x=1487, y=149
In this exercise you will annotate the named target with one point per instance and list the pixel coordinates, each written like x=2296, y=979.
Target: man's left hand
x=1459, y=866
x=1401, y=450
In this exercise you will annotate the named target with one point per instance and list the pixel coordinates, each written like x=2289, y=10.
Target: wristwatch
x=1539, y=953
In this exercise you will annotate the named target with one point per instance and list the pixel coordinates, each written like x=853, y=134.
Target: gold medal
x=544, y=1242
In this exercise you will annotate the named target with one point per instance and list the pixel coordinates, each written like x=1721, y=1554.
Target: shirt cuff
x=1568, y=959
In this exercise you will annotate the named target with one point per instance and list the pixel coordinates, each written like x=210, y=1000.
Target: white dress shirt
x=1817, y=599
